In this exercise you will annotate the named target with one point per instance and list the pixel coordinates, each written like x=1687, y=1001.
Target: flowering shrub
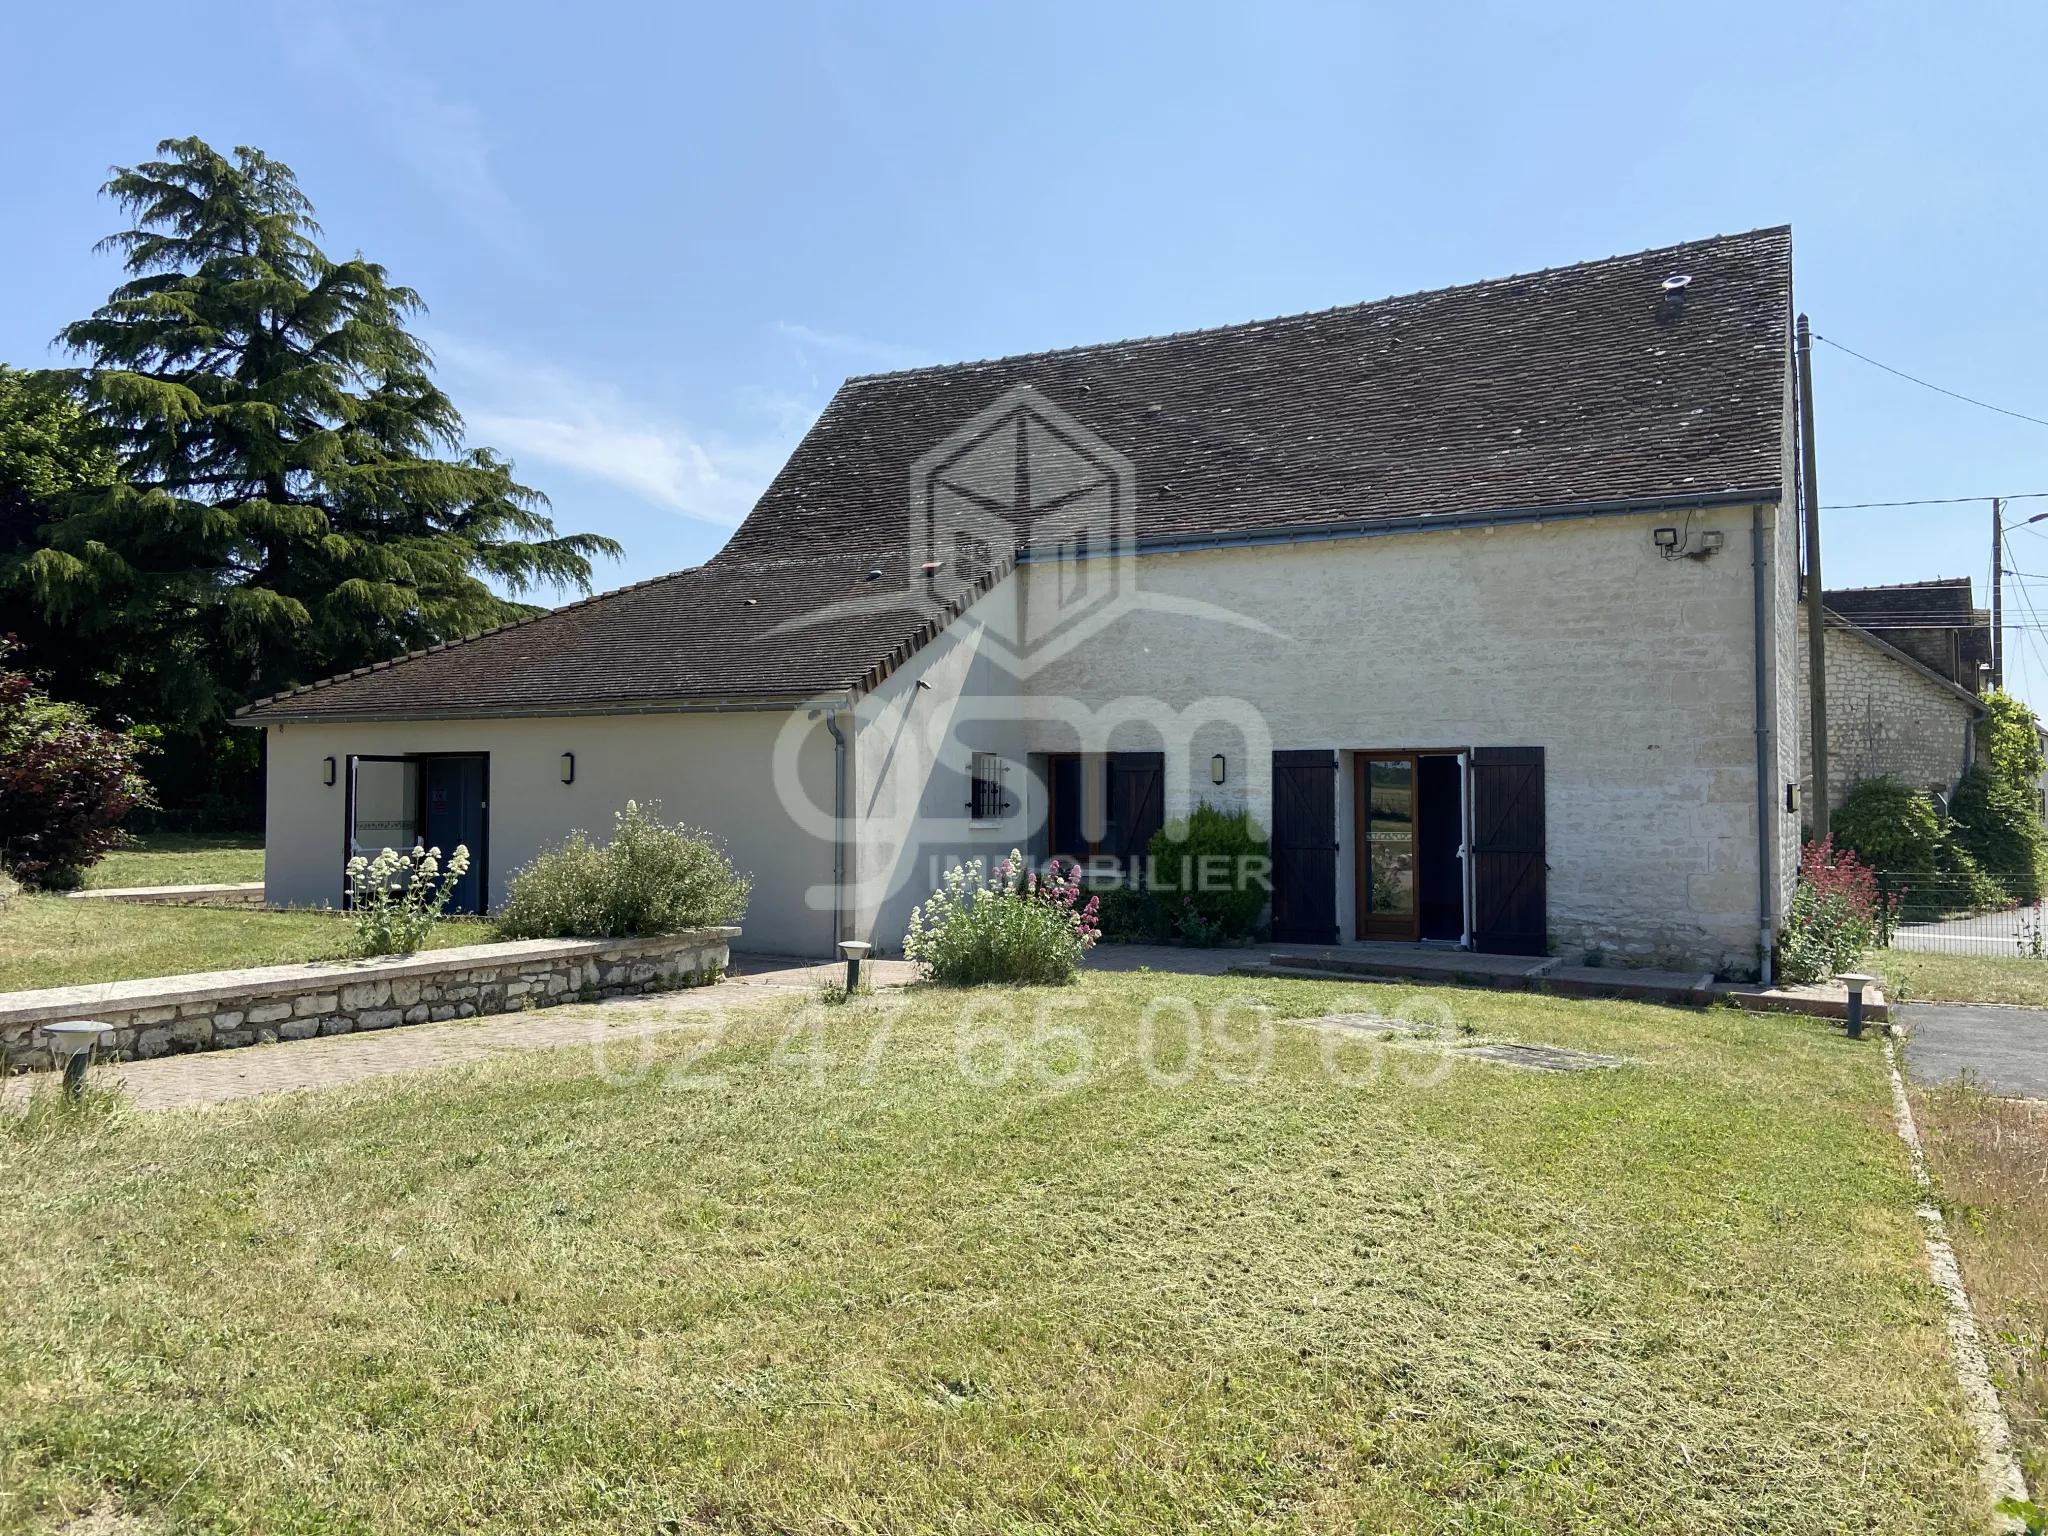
x=1014, y=925
x=394, y=898
x=1834, y=915
x=652, y=877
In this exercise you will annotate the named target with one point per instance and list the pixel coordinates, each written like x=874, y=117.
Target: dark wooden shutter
x=1512, y=915
x=1138, y=791
x=1305, y=847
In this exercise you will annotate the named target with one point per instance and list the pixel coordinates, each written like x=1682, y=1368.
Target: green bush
x=1013, y=925
x=1892, y=827
x=1889, y=825
x=1212, y=874
x=650, y=878
x=1998, y=823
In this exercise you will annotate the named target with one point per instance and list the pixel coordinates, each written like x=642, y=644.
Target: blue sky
x=653, y=238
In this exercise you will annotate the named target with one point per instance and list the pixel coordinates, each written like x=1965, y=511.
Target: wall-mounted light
x=327, y=772
x=1664, y=538
x=1216, y=769
x=568, y=767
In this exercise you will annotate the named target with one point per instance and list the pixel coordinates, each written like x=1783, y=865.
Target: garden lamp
x=853, y=949
x=1856, y=982
x=71, y=1042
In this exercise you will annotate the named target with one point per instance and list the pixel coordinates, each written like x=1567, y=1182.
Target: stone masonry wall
x=1884, y=717
x=218, y=1010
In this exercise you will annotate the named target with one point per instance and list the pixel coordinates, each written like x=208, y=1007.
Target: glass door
x=1386, y=874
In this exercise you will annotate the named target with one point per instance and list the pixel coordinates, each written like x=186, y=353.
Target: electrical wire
x=1931, y=501
x=1911, y=379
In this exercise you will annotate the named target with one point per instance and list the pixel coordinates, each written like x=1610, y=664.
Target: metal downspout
x=838, y=824
x=1764, y=799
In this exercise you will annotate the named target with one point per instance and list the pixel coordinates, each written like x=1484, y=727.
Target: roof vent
x=875, y=574
x=1677, y=283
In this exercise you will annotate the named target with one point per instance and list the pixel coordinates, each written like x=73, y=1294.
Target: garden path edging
x=1999, y=1466
x=220, y=1010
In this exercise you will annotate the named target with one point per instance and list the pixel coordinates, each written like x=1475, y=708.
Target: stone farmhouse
x=1483, y=600
x=1905, y=668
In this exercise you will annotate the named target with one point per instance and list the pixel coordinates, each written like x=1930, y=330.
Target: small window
x=986, y=800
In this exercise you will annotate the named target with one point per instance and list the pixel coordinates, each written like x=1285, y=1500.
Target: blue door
x=455, y=818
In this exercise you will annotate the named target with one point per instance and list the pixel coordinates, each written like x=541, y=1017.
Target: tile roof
x=1562, y=388
x=735, y=633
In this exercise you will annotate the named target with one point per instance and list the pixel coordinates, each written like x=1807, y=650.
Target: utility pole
x=1816, y=615
x=1997, y=593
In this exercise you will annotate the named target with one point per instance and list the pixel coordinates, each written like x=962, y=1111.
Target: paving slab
x=248, y=893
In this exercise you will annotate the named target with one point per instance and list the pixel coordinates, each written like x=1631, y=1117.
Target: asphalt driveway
x=2004, y=1049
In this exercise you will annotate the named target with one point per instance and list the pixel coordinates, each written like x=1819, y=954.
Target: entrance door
x=455, y=819
x=1411, y=866
x=428, y=801
x=1305, y=847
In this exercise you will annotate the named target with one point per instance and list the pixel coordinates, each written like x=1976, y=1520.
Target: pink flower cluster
x=1054, y=889
x=1837, y=872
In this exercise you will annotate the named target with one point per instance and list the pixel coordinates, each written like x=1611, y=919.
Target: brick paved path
x=328, y=1061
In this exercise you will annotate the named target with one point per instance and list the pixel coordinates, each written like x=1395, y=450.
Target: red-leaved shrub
x=65, y=783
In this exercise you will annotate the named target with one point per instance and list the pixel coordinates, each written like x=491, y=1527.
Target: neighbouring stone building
x=1905, y=665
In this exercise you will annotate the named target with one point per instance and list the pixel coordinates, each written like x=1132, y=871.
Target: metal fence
x=1957, y=915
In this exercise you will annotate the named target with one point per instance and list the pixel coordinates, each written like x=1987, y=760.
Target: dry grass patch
x=1989, y=1157
x=809, y=1276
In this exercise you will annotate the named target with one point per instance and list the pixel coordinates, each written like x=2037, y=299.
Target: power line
x=1931, y=501
x=1910, y=379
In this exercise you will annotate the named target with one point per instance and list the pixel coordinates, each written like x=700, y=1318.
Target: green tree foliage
x=293, y=497
x=1997, y=807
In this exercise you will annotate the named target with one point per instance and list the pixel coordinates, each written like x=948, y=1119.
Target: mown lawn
x=821, y=1280
x=180, y=858
x=1913, y=977
x=52, y=941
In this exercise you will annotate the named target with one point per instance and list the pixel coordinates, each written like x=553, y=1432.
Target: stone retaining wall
x=218, y=1010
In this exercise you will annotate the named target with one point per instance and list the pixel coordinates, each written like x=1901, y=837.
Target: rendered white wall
x=714, y=771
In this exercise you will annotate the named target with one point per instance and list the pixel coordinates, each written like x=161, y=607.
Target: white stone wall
x=1884, y=717
x=1633, y=672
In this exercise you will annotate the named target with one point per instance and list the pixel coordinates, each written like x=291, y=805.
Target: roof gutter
x=1427, y=522
x=841, y=700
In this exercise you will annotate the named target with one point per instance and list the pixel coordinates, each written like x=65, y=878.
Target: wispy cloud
x=439, y=137
x=883, y=354
x=537, y=412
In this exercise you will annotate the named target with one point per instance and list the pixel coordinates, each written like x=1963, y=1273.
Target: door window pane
x=387, y=807
x=1390, y=837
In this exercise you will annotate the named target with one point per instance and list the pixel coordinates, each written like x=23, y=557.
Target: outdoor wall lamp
x=72, y=1042
x=1664, y=538
x=1216, y=769
x=327, y=773
x=568, y=767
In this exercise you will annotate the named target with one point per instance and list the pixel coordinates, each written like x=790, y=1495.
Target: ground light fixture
x=1855, y=981
x=72, y=1041
x=853, y=949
